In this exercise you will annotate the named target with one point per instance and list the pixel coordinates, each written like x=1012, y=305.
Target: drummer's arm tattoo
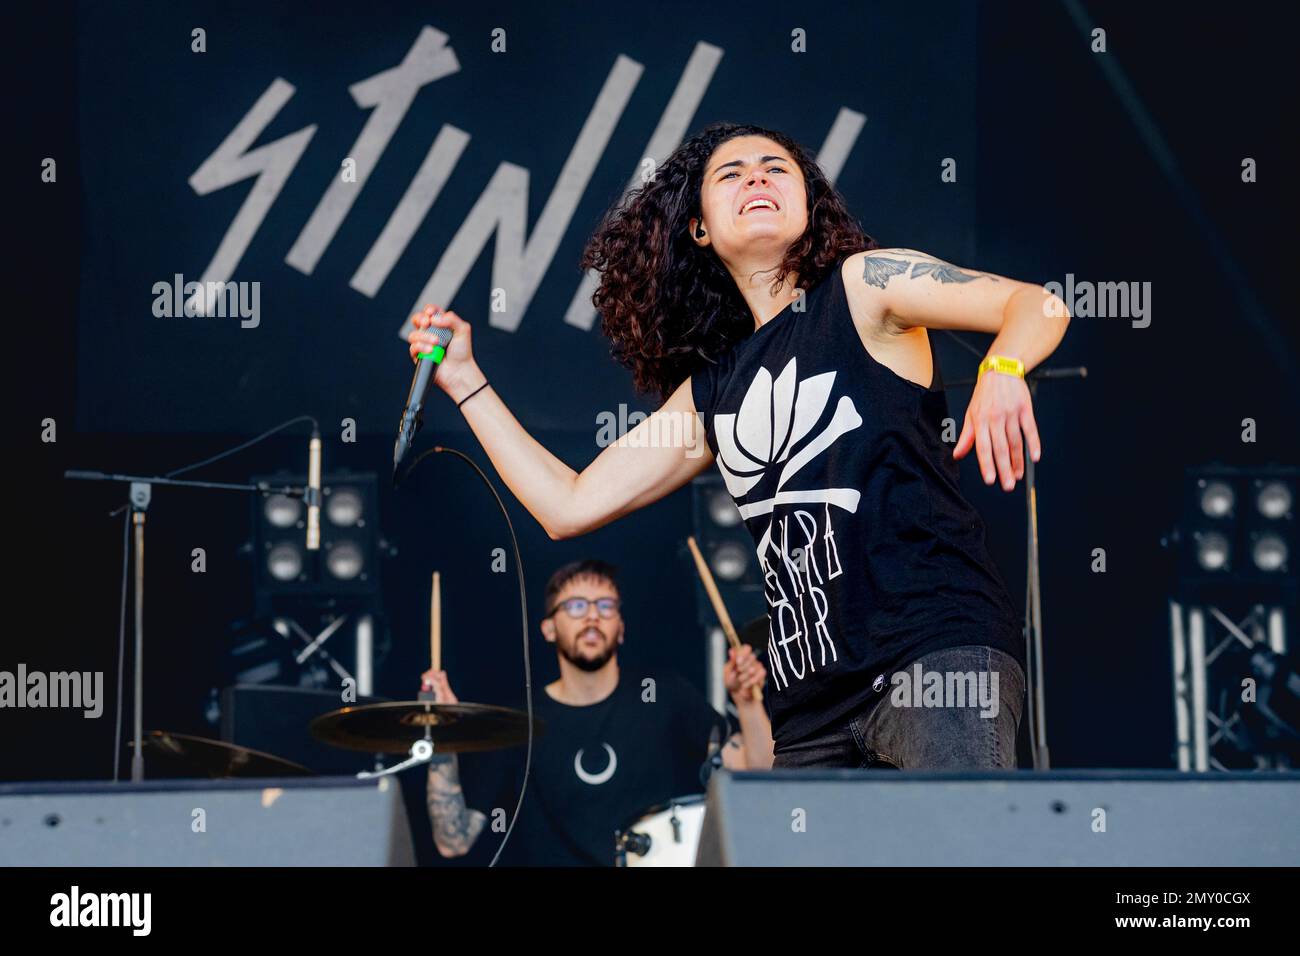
x=455, y=826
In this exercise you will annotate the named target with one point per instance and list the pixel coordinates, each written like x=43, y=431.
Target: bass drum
x=665, y=835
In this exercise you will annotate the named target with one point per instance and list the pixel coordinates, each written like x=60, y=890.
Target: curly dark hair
x=667, y=305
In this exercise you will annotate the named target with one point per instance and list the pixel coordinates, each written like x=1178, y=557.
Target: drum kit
x=667, y=834
x=418, y=728
x=664, y=835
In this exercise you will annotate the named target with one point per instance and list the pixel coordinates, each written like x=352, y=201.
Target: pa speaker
x=1011, y=818
x=299, y=822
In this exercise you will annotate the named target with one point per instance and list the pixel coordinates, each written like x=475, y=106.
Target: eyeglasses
x=577, y=607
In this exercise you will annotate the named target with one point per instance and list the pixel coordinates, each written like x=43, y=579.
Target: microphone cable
x=523, y=618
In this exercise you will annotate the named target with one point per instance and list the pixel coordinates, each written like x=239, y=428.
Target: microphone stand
x=141, y=493
x=1033, y=629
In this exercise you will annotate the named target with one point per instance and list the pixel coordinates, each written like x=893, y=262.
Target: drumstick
x=715, y=598
x=435, y=624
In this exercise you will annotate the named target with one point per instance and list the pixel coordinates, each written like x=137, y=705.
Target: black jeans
x=966, y=719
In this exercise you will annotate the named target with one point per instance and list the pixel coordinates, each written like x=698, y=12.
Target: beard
x=590, y=664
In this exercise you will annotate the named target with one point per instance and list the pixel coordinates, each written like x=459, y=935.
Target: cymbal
x=391, y=727
x=180, y=755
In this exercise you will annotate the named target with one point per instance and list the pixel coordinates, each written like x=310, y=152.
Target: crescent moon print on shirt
x=773, y=429
x=596, y=779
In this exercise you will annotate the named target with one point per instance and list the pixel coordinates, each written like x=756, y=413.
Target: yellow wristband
x=1000, y=363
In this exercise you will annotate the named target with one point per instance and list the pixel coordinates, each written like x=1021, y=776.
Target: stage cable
x=248, y=444
x=523, y=619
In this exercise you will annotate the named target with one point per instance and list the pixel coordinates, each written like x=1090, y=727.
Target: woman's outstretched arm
x=653, y=459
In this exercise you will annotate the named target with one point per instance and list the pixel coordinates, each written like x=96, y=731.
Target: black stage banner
x=269, y=190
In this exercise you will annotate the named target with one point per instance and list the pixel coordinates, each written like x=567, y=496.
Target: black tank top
x=870, y=555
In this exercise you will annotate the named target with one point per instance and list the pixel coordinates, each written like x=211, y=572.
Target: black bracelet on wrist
x=472, y=394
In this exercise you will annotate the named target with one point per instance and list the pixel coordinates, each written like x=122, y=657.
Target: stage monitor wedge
x=294, y=822
x=1013, y=818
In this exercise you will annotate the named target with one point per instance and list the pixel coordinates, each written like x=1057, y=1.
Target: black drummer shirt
x=870, y=556
x=597, y=768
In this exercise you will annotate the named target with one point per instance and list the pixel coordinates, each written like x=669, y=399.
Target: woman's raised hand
x=459, y=374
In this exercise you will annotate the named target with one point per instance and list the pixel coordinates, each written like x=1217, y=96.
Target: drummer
x=617, y=741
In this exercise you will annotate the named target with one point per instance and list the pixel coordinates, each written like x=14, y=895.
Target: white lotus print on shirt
x=772, y=430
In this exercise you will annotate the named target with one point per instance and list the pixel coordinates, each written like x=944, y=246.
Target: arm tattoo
x=942, y=272
x=878, y=270
x=455, y=826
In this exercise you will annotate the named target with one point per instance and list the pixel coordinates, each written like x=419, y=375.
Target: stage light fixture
x=346, y=564
x=282, y=511
x=284, y=562
x=729, y=561
x=1237, y=527
x=1269, y=552
x=729, y=550
x=1273, y=499
x=344, y=561
x=722, y=509
x=1217, y=498
x=1213, y=551
x=344, y=508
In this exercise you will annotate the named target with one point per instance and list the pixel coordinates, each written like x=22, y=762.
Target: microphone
x=412, y=417
x=312, y=497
